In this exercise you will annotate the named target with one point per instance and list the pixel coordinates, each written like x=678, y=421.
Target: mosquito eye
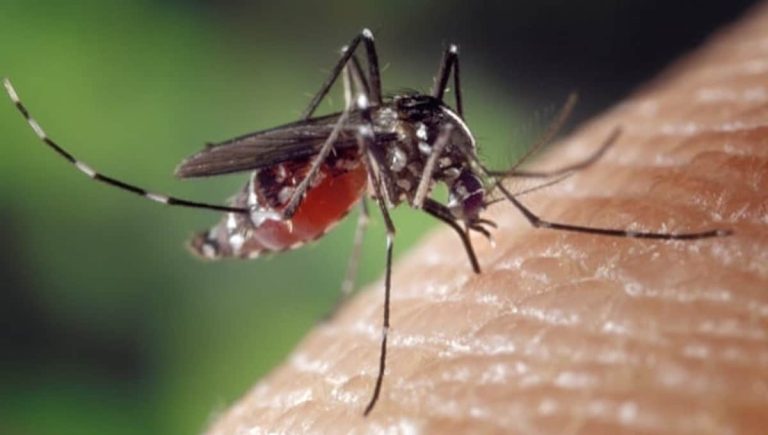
x=467, y=196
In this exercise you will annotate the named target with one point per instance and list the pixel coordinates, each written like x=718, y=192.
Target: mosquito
x=307, y=175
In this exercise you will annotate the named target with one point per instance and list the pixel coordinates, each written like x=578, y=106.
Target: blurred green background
x=107, y=324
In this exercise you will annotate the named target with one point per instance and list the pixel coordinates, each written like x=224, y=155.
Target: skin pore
x=576, y=333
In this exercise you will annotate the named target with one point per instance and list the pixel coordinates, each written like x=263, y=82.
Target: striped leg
x=366, y=138
x=354, y=84
x=369, y=90
x=381, y=200
x=538, y=222
x=353, y=264
x=429, y=167
x=374, y=77
x=449, y=62
x=442, y=213
x=90, y=172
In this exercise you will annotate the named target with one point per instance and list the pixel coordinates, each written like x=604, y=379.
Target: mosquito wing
x=265, y=148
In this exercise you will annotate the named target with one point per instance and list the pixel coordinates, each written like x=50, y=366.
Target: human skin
x=576, y=333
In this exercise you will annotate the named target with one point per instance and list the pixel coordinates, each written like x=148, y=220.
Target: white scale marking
x=236, y=241
x=297, y=245
x=87, y=170
x=208, y=250
x=157, y=198
x=398, y=160
x=285, y=194
x=262, y=214
x=365, y=130
x=421, y=131
x=36, y=127
x=231, y=222
x=362, y=102
x=425, y=148
x=253, y=200
x=11, y=92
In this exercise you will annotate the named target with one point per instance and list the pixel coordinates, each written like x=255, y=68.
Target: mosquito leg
x=353, y=265
x=457, y=83
x=358, y=77
x=349, y=93
x=348, y=285
x=346, y=54
x=537, y=222
x=353, y=75
x=317, y=161
x=374, y=75
x=373, y=70
x=87, y=170
x=429, y=167
x=385, y=325
x=352, y=78
x=354, y=83
x=439, y=211
x=387, y=290
x=365, y=138
x=449, y=62
x=607, y=144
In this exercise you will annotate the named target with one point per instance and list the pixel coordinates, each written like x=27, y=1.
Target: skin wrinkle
x=573, y=333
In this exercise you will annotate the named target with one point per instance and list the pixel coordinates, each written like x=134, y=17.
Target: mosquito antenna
x=595, y=156
x=554, y=127
x=531, y=189
x=562, y=172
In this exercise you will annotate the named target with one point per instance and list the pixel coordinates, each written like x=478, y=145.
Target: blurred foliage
x=108, y=325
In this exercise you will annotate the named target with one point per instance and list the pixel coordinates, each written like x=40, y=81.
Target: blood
x=341, y=182
x=323, y=206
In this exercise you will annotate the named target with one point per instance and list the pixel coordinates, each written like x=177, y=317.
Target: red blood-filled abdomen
x=325, y=204
x=340, y=184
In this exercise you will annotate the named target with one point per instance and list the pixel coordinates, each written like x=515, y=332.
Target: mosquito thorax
x=418, y=121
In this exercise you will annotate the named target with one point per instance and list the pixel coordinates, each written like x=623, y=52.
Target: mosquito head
x=466, y=196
